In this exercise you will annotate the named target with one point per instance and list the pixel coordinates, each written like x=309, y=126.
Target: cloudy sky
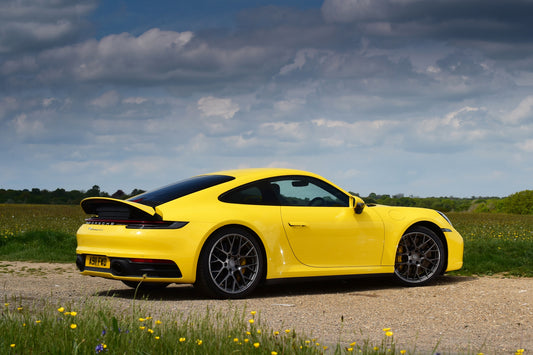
x=420, y=97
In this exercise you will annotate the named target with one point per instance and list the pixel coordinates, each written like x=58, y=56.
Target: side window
x=305, y=191
x=257, y=193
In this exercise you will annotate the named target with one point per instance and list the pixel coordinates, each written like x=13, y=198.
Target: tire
x=420, y=257
x=145, y=286
x=231, y=264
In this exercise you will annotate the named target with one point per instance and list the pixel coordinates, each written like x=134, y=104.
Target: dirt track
x=462, y=314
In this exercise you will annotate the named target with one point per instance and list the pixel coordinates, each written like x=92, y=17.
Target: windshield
x=179, y=189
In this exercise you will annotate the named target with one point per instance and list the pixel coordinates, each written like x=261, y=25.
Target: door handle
x=297, y=224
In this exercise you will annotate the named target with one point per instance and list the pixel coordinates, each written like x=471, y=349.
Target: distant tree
x=519, y=203
x=118, y=194
x=93, y=192
x=136, y=192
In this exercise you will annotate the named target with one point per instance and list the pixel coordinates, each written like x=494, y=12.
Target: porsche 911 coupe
x=229, y=231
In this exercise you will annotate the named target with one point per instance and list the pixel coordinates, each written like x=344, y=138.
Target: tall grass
x=496, y=243
x=96, y=328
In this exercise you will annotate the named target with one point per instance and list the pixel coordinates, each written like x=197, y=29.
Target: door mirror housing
x=357, y=204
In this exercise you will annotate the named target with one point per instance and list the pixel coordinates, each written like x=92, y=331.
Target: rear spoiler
x=105, y=207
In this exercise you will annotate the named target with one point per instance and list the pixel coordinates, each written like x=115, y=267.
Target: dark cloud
x=31, y=26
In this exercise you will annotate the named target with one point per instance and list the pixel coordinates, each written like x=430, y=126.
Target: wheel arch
x=247, y=229
x=437, y=230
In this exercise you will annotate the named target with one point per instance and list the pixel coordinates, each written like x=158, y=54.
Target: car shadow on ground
x=286, y=288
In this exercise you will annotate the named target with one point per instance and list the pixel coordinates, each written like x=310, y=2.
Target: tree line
x=59, y=196
x=517, y=203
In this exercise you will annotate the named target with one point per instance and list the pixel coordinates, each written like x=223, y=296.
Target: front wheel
x=231, y=264
x=420, y=257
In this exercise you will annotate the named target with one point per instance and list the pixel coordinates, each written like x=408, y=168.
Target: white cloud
x=106, y=100
x=26, y=127
x=526, y=146
x=522, y=112
x=135, y=100
x=212, y=106
x=283, y=130
x=289, y=105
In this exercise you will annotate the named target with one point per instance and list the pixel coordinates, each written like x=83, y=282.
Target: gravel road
x=492, y=315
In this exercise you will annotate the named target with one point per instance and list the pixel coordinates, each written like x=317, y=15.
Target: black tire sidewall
x=204, y=280
x=438, y=270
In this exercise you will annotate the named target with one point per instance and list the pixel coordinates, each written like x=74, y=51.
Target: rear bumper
x=125, y=268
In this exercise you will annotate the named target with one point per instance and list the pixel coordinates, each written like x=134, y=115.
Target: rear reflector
x=151, y=261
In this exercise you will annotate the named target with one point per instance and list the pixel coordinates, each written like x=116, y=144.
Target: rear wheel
x=420, y=257
x=231, y=264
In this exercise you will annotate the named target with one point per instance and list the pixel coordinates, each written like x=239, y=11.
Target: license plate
x=97, y=261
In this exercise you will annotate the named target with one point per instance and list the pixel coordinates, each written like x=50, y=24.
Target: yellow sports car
x=227, y=232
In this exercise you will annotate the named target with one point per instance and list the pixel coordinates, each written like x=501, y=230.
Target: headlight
x=446, y=218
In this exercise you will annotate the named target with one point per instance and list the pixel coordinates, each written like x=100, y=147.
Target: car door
x=323, y=230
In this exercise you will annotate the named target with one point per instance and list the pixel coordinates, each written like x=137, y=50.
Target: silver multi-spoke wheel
x=232, y=264
x=419, y=257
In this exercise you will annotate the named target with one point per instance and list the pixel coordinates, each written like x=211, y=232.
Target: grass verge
x=95, y=328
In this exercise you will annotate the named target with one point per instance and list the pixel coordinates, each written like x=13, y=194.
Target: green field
x=495, y=243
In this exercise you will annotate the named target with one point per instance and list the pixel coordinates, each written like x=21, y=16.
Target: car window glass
x=257, y=193
x=305, y=191
x=179, y=189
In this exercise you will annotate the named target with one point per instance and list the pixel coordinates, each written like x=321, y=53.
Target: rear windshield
x=179, y=189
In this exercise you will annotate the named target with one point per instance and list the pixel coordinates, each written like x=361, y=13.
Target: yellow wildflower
x=276, y=333
x=19, y=309
x=141, y=319
x=12, y=345
x=287, y=331
x=6, y=304
x=349, y=350
x=386, y=329
x=182, y=340
x=253, y=313
x=158, y=322
x=61, y=309
x=150, y=331
x=74, y=314
x=157, y=338
x=389, y=334
x=273, y=353
x=251, y=321
x=38, y=321
x=73, y=326
x=256, y=345
x=199, y=342
x=235, y=340
x=142, y=328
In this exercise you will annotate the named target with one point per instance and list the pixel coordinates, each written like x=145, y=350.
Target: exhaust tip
x=119, y=267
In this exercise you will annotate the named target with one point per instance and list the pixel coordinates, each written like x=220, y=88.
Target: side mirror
x=357, y=203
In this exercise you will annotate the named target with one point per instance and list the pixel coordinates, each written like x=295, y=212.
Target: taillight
x=132, y=224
